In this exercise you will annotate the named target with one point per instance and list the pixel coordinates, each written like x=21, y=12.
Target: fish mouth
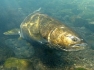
x=77, y=47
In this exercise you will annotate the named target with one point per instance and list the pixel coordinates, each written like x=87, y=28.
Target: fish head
x=66, y=39
x=73, y=43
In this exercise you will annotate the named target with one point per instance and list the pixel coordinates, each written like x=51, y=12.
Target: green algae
x=19, y=64
x=80, y=68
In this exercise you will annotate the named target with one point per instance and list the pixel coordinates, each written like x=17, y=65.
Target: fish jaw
x=76, y=47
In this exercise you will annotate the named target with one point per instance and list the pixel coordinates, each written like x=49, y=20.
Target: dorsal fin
x=37, y=11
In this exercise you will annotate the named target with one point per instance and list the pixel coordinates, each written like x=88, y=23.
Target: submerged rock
x=20, y=47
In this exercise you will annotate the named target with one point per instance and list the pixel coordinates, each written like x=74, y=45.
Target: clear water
x=78, y=14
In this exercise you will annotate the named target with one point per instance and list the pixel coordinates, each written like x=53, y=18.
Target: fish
x=43, y=29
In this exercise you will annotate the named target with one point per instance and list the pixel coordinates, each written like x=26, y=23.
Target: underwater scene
x=46, y=34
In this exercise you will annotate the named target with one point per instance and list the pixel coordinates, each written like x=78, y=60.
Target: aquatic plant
x=80, y=68
x=20, y=64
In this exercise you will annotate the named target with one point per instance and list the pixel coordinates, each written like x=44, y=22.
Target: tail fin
x=12, y=32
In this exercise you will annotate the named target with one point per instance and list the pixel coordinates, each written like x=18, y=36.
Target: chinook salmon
x=51, y=32
x=42, y=28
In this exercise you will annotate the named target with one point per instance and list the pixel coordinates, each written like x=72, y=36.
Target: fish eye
x=74, y=39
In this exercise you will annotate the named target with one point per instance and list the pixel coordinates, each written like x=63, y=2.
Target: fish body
x=42, y=28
